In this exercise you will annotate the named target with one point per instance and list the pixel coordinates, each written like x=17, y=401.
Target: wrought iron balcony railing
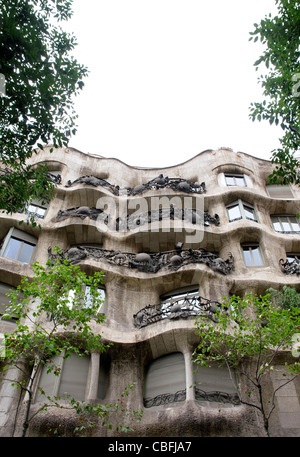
x=290, y=267
x=200, y=395
x=180, y=307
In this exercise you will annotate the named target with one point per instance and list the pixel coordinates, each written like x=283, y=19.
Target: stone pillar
x=93, y=379
x=189, y=377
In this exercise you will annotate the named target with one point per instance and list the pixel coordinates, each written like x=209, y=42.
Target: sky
x=169, y=79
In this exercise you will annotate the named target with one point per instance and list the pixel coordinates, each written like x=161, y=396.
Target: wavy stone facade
x=172, y=243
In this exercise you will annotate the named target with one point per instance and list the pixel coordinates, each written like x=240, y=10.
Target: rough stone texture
x=129, y=290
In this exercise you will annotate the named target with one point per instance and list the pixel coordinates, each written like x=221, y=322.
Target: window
x=252, y=255
x=165, y=380
x=88, y=298
x=72, y=378
x=5, y=299
x=102, y=296
x=178, y=300
x=286, y=224
x=214, y=383
x=240, y=210
x=19, y=246
x=235, y=180
x=279, y=191
x=37, y=209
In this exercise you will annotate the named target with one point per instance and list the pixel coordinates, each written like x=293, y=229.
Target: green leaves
x=41, y=79
x=251, y=331
x=281, y=58
x=67, y=325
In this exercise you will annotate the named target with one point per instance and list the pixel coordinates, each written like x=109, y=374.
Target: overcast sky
x=169, y=79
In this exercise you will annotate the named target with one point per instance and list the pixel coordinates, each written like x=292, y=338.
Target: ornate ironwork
x=149, y=263
x=135, y=220
x=290, y=267
x=177, y=184
x=165, y=399
x=200, y=395
x=56, y=179
x=180, y=308
x=81, y=212
x=216, y=396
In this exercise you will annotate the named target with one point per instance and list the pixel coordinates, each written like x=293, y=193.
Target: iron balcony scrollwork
x=200, y=395
x=164, y=399
x=149, y=262
x=139, y=219
x=177, y=184
x=290, y=267
x=173, y=309
x=216, y=396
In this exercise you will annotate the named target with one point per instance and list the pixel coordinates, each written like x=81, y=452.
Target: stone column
x=93, y=379
x=189, y=377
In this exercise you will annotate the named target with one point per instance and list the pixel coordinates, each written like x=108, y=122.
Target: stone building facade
x=209, y=227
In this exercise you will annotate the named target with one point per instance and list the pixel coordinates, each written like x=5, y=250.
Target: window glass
x=240, y=181
x=214, y=378
x=279, y=191
x=165, y=375
x=234, y=212
x=12, y=248
x=257, y=260
x=252, y=256
x=247, y=256
x=36, y=210
x=230, y=180
x=18, y=245
x=235, y=180
x=286, y=224
x=73, y=378
x=26, y=252
x=241, y=210
x=249, y=213
x=294, y=223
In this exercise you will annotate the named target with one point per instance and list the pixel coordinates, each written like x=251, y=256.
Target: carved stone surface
x=290, y=267
x=150, y=262
x=177, y=184
x=137, y=219
x=190, y=306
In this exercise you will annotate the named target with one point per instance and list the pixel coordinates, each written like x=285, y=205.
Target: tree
x=286, y=299
x=54, y=318
x=281, y=106
x=41, y=79
x=249, y=336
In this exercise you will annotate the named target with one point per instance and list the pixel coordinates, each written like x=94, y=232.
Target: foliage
x=249, y=335
x=41, y=79
x=89, y=414
x=287, y=298
x=281, y=36
x=51, y=321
